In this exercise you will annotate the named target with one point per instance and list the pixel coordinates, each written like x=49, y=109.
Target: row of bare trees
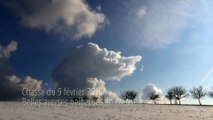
x=173, y=94
x=177, y=93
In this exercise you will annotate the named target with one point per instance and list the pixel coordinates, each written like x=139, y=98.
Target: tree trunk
x=199, y=101
x=170, y=102
x=154, y=102
x=179, y=102
x=176, y=101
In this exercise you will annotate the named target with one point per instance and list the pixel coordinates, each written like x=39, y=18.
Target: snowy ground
x=16, y=111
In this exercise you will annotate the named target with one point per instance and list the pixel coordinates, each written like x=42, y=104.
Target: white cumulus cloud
x=7, y=50
x=89, y=66
x=73, y=18
x=148, y=88
x=97, y=87
x=16, y=84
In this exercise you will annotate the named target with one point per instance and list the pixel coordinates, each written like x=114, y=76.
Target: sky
x=113, y=45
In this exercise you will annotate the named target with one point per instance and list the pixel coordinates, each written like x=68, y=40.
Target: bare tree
x=179, y=93
x=198, y=93
x=131, y=95
x=211, y=93
x=154, y=96
x=123, y=96
x=170, y=95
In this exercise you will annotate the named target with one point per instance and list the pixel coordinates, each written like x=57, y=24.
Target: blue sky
x=174, y=39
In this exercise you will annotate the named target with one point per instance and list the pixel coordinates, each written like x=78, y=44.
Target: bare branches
x=198, y=93
x=154, y=96
x=170, y=95
x=177, y=93
x=123, y=96
x=211, y=93
x=131, y=95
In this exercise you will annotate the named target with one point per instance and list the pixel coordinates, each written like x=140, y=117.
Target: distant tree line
x=174, y=95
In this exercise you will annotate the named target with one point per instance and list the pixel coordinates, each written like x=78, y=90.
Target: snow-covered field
x=16, y=111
